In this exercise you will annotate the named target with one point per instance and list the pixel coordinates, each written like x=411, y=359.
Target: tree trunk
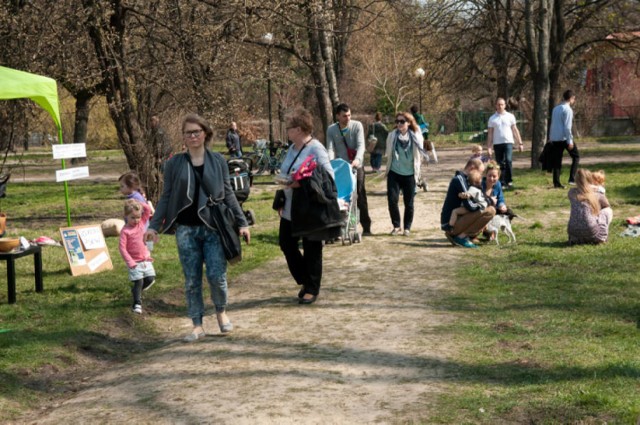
x=83, y=98
x=557, y=46
x=108, y=33
x=318, y=69
x=538, y=34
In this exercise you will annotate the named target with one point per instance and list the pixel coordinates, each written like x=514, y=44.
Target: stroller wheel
x=358, y=237
x=251, y=217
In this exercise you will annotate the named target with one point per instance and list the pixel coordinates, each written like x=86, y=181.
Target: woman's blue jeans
x=198, y=245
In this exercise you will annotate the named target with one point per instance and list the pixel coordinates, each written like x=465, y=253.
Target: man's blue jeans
x=198, y=245
x=504, y=158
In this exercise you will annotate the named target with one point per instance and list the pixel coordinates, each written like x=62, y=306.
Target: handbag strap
x=296, y=158
x=344, y=140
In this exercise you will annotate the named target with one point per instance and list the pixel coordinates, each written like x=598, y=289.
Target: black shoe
x=450, y=238
x=367, y=233
x=446, y=227
x=308, y=301
x=558, y=186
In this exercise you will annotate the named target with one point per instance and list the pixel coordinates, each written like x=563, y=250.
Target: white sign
x=91, y=237
x=69, y=150
x=72, y=174
x=98, y=261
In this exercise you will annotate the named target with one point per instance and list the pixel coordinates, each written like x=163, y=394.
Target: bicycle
x=269, y=159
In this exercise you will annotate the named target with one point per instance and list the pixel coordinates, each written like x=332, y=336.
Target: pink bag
x=306, y=168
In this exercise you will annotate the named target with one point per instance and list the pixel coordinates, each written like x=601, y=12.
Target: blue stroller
x=345, y=179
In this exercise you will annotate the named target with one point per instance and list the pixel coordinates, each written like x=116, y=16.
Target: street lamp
x=268, y=39
x=419, y=73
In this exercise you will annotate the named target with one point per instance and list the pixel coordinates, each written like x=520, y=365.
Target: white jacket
x=416, y=140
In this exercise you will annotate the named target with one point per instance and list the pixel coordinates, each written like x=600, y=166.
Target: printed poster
x=72, y=243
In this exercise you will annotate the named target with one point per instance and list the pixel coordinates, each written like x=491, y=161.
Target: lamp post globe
x=419, y=73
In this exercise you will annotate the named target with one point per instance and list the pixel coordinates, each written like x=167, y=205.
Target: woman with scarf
x=403, y=170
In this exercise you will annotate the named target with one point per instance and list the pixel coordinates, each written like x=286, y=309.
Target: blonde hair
x=476, y=149
x=475, y=178
x=598, y=177
x=131, y=206
x=492, y=165
x=585, y=190
x=473, y=164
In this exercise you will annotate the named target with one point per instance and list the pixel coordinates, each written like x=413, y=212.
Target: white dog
x=501, y=222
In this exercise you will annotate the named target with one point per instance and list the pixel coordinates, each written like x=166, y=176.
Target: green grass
x=78, y=321
x=549, y=333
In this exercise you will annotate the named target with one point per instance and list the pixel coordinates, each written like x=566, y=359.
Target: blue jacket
x=495, y=192
x=179, y=191
x=458, y=184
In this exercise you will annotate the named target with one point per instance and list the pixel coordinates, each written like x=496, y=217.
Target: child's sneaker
x=137, y=308
x=146, y=285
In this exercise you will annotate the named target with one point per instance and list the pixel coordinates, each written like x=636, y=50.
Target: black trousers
x=395, y=184
x=306, y=268
x=557, y=151
x=363, y=204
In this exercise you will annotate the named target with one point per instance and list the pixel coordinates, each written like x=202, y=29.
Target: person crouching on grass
x=135, y=252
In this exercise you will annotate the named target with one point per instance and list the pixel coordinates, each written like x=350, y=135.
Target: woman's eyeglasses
x=401, y=121
x=192, y=133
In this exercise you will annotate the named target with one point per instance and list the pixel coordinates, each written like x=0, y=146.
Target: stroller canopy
x=344, y=177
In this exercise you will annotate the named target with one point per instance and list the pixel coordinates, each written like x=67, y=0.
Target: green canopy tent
x=16, y=84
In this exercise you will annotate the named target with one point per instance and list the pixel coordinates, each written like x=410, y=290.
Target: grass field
x=550, y=332
x=547, y=333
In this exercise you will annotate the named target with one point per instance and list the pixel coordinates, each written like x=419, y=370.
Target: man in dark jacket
x=471, y=224
x=234, y=142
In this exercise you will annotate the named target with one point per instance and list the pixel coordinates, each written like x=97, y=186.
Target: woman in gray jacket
x=189, y=179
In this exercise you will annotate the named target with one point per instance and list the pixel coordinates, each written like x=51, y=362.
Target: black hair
x=568, y=95
x=343, y=107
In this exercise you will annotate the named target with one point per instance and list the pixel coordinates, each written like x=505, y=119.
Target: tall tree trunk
x=538, y=34
x=83, y=97
x=318, y=67
x=557, y=46
x=108, y=33
x=326, y=44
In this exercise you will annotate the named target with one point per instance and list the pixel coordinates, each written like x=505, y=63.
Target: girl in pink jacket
x=135, y=252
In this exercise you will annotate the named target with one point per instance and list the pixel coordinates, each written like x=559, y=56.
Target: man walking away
x=561, y=136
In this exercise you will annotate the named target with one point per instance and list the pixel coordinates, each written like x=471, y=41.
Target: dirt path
x=365, y=352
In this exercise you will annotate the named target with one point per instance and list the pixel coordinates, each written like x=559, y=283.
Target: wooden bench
x=10, y=258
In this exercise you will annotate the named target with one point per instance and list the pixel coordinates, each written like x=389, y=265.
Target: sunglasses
x=193, y=133
x=401, y=121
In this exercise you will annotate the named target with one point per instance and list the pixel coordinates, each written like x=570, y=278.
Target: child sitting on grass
x=474, y=193
x=135, y=252
x=597, y=181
